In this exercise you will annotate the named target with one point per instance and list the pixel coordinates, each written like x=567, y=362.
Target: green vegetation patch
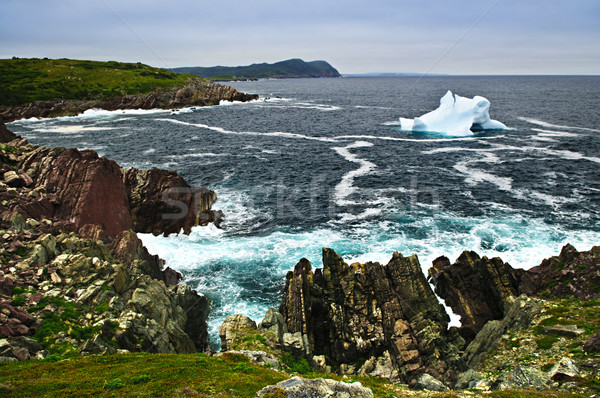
x=25, y=80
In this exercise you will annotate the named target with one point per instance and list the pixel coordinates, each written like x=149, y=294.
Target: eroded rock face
x=85, y=189
x=476, y=288
x=570, y=274
x=162, y=202
x=348, y=312
x=234, y=328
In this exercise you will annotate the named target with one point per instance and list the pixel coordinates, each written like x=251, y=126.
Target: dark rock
x=195, y=93
x=298, y=387
x=12, y=179
x=195, y=307
x=348, y=312
x=127, y=247
x=518, y=317
x=21, y=353
x=593, y=344
x=475, y=288
x=171, y=276
x=25, y=342
x=570, y=274
x=5, y=134
x=162, y=202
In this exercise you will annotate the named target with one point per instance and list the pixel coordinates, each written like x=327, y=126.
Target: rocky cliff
x=74, y=276
x=475, y=288
x=195, y=93
x=372, y=319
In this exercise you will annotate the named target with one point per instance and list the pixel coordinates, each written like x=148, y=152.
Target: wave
x=346, y=187
x=556, y=126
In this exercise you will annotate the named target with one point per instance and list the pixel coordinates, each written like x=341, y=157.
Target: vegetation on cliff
x=62, y=87
x=25, y=80
x=291, y=68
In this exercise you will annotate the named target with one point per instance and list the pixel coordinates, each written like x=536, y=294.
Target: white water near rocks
x=327, y=165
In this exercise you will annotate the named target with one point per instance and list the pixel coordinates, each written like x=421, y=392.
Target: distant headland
x=289, y=69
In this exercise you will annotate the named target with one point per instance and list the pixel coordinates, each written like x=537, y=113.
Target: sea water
x=323, y=163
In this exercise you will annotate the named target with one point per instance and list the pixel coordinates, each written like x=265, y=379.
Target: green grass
x=24, y=80
x=296, y=364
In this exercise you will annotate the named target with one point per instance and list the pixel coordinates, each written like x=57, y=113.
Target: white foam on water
x=556, y=126
x=149, y=151
x=346, y=186
x=540, y=137
x=387, y=138
x=71, y=129
x=198, y=155
x=251, y=133
x=552, y=133
x=475, y=176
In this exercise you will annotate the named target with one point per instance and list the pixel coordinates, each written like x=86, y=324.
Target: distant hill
x=292, y=68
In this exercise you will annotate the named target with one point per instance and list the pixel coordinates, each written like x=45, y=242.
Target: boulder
x=476, y=288
x=468, y=379
x=12, y=179
x=592, y=344
x=563, y=330
x=428, y=382
x=565, y=370
x=274, y=322
x=234, y=328
x=522, y=377
x=298, y=387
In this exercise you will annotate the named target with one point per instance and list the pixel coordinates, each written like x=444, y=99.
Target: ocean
x=323, y=163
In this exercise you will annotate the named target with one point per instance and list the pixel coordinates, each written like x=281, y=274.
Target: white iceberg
x=457, y=116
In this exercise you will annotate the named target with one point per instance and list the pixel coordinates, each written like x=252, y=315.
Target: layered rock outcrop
x=387, y=315
x=93, y=196
x=476, y=288
x=196, y=93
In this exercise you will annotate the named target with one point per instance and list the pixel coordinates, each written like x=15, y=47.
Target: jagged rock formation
x=162, y=202
x=475, y=288
x=196, y=93
x=570, y=274
x=380, y=313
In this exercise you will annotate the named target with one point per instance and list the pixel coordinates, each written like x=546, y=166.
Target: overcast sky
x=355, y=36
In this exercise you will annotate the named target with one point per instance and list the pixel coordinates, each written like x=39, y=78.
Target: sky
x=355, y=36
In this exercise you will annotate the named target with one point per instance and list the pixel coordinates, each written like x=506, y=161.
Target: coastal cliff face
x=478, y=289
x=387, y=315
x=74, y=277
x=193, y=94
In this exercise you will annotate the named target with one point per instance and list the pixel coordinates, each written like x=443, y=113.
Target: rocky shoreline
x=195, y=93
x=76, y=280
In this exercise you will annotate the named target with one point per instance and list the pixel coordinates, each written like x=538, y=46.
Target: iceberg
x=457, y=116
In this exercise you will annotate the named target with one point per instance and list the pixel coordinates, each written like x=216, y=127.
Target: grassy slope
x=26, y=80
x=289, y=68
x=172, y=375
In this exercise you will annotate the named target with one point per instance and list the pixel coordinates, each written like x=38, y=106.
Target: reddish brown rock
x=570, y=274
x=475, y=288
x=88, y=189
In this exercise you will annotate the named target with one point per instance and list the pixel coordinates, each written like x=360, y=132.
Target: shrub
x=296, y=364
x=114, y=384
